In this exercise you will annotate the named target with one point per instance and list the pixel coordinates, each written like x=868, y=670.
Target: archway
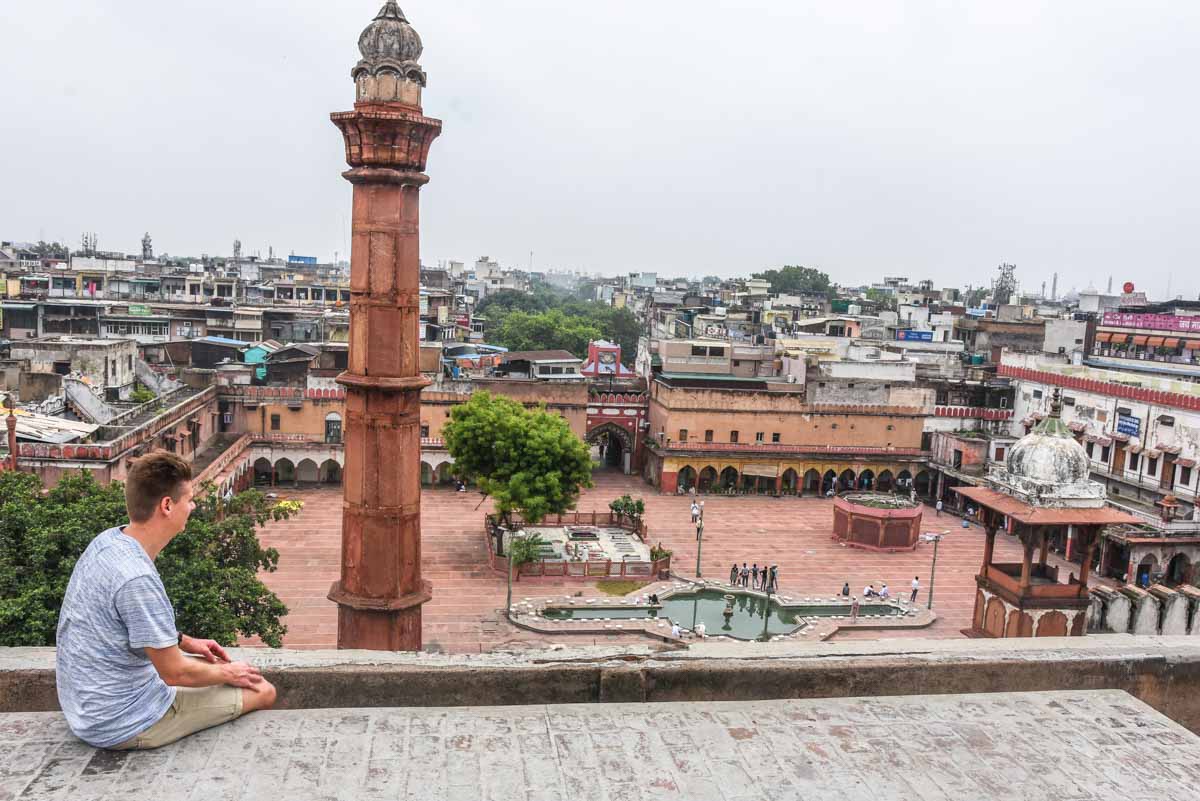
x=687, y=478
x=729, y=479
x=812, y=481
x=262, y=472
x=791, y=482
x=904, y=479
x=426, y=475
x=921, y=483
x=307, y=472
x=445, y=473
x=708, y=479
x=1178, y=570
x=285, y=472
x=1052, y=624
x=846, y=480
x=885, y=482
x=331, y=472
x=1147, y=569
x=612, y=446
x=866, y=479
x=829, y=482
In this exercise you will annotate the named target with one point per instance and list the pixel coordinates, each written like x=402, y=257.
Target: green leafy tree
x=210, y=570
x=550, y=330
x=523, y=550
x=627, y=506
x=528, y=460
x=795, y=280
x=502, y=301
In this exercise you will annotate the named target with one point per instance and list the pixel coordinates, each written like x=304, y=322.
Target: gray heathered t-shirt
x=114, y=608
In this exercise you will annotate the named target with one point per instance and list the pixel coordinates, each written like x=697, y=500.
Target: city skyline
x=881, y=140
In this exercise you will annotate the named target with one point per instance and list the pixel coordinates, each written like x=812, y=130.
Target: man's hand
x=242, y=674
x=209, y=649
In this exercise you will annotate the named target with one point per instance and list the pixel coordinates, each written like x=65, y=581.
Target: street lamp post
x=935, y=539
x=699, y=542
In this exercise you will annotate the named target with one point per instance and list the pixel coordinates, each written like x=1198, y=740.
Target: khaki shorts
x=194, y=709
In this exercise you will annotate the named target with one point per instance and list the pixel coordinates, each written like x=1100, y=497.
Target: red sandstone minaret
x=387, y=142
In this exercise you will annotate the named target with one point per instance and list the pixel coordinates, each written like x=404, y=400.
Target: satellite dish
x=1128, y=287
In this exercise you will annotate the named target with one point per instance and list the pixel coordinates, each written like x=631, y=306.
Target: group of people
x=758, y=578
x=883, y=592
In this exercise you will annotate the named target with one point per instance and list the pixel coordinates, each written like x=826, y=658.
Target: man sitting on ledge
x=124, y=681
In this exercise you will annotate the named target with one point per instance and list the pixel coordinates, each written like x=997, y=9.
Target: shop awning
x=1135, y=448
x=1119, y=437
x=1154, y=342
x=1077, y=427
x=1171, y=342
x=1091, y=438
x=1104, y=336
x=1104, y=442
x=1171, y=449
x=1192, y=344
x=1140, y=340
x=1186, y=462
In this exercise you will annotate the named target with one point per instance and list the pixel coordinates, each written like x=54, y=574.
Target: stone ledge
x=1093, y=746
x=1162, y=671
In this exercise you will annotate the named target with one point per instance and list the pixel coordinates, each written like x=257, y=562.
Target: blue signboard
x=302, y=259
x=1129, y=425
x=915, y=336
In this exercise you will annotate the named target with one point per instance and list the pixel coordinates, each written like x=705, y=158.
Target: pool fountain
x=740, y=615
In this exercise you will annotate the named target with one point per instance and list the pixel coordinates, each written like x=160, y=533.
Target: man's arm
x=179, y=670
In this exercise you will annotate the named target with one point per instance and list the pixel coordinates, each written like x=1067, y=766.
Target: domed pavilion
x=1042, y=489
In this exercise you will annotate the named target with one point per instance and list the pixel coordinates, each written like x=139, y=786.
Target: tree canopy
x=528, y=460
x=550, y=330
x=795, y=280
x=546, y=319
x=210, y=570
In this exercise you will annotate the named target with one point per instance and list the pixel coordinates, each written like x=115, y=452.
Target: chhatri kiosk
x=1043, y=489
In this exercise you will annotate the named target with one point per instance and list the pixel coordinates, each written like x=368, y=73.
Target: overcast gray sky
x=928, y=138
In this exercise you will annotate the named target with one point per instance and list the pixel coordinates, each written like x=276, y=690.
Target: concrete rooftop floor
x=794, y=533
x=1050, y=746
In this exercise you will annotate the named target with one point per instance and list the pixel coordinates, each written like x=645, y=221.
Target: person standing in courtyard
x=754, y=576
x=854, y=609
x=774, y=585
x=733, y=574
x=745, y=574
x=695, y=512
x=939, y=508
x=127, y=678
x=916, y=587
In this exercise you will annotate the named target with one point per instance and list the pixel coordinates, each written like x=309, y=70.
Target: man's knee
x=261, y=697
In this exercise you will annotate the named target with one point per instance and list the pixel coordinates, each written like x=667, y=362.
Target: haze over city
x=687, y=138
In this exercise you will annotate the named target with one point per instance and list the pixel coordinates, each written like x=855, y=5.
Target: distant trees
x=528, y=460
x=548, y=320
x=795, y=280
x=549, y=330
x=51, y=250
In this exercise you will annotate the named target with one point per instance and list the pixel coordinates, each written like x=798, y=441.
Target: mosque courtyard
x=463, y=617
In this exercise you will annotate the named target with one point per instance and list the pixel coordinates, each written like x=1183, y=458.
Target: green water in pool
x=748, y=622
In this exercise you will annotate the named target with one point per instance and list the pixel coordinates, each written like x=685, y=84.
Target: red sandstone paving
x=794, y=533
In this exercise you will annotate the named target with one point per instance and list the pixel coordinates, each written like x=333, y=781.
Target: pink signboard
x=1161, y=322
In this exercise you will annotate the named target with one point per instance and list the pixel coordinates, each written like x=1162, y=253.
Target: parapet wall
x=1164, y=672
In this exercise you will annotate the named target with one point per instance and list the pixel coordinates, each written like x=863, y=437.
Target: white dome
x=1049, y=455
